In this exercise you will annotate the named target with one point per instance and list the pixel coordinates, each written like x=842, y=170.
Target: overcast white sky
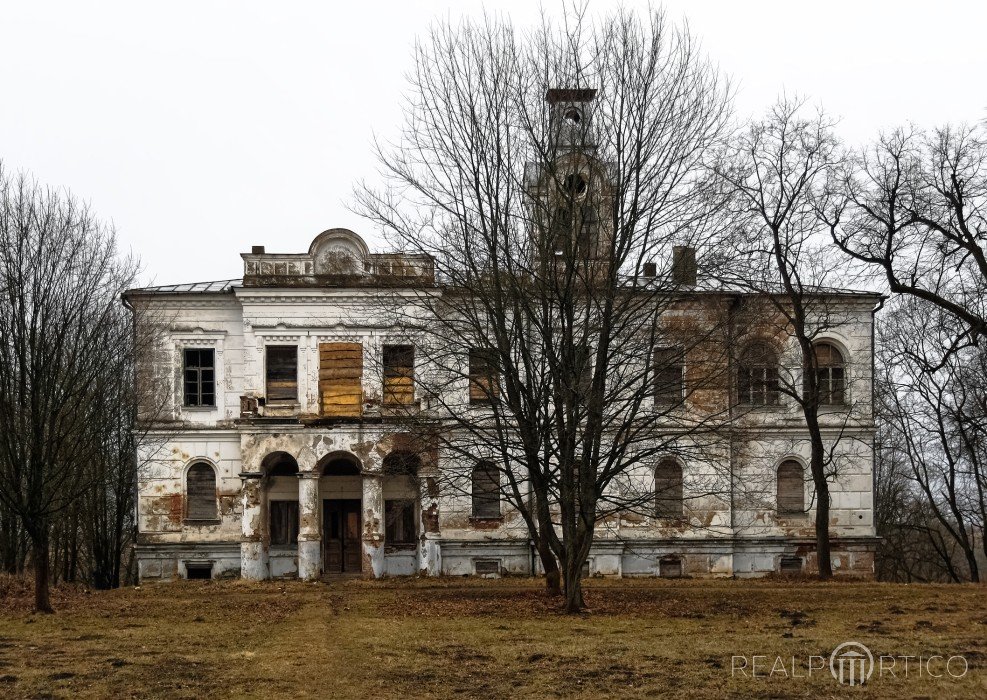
x=203, y=128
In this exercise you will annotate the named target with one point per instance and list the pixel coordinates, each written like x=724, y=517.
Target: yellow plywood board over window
x=341, y=379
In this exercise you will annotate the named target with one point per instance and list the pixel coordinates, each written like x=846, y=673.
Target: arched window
x=830, y=374
x=486, y=490
x=668, y=489
x=791, y=487
x=200, y=492
x=757, y=376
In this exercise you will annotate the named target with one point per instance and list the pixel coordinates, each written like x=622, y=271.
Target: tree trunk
x=574, y=602
x=553, y=577
x=42, y=602
x=824, y=555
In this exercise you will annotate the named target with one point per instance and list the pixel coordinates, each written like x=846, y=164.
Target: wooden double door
x=341, y=545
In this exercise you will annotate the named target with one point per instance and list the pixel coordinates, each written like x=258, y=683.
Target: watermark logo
x=851, y=663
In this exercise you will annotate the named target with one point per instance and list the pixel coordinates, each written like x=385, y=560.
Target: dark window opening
x=200, y=377
x=282, y=372
x=486, y=490
x=669, y=376
x=399, y=374
x=791, y=488
x=484, y=386
x=668, y=489
x=399, y=522
x=830, y=375
x=284, y=522
x=791, y=565
x=757, y=377
x=200, y=492
x=670, y=567
x=198, y=570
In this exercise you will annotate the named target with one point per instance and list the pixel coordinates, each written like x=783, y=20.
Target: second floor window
x=282, y=372
x=830, y=375
x=757, y=376
x=200, y=377
x=482, y=375
x=669, y=370
x=399, y=374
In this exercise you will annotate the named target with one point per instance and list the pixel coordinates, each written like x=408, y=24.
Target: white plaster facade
x=328, y=295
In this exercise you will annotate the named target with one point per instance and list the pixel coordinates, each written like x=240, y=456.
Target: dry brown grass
x=454, y=637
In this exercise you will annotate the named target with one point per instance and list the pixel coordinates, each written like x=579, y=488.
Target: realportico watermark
x=850, y=663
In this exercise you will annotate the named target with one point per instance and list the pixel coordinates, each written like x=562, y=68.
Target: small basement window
x=670, y=567
x=791, y=565
x=198, y=569
x=487, y=567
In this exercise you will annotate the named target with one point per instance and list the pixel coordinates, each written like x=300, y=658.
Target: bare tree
x=549, y=174
x=936, y=413
x=60, y=341
x=779, y=171
x=914, y=208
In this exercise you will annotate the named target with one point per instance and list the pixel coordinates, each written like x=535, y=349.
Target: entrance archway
x=341, y=490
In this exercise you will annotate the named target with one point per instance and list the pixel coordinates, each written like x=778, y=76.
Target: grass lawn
x=470, y=638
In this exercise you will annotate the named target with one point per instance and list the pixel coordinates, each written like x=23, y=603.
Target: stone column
x=429, y=553
x=253, y=553
x=309, y=537
x=373, y=526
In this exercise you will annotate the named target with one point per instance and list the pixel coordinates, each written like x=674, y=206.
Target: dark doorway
x=341, y=538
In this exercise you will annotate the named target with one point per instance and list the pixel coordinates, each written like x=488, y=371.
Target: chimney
x=650, y=270
x=684, y=271
x=257, y=250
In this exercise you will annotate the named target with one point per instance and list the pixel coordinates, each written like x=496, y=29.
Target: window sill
x=486, y=521
x=201, y=521
x=400, y=547
x=199, y=409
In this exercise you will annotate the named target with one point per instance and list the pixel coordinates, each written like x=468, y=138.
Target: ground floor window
x=284, y=522
x=399, y=522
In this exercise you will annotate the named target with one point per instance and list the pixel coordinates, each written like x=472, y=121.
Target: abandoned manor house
x=280, y=447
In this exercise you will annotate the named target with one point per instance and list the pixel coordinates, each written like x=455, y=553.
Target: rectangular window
x=282, y=372
x=486, y=491
x=483, y=380
x=399, y=374
x=669, y=372
x=399, y=522
x=341, y=379
x=200, y=377
x=284, y=522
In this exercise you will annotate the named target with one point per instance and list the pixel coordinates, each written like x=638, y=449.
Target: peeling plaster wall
x=729, y=525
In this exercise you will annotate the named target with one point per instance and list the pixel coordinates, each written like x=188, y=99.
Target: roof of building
x=219, y=286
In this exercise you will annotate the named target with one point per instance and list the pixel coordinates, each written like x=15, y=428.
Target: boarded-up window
x=200, y=492
x=668, y=489
x=399, y=522
x=830, y=375
x=791, y=487
x=341, y=379
x=284, y=522
x=200, y=377
x=282, y=372
x=670, y=567
x=487, y=567
x=757, y=376
x=669, y=370
x=486, y=490
x=483, y=376
x=399, y=374
x=790, y=565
